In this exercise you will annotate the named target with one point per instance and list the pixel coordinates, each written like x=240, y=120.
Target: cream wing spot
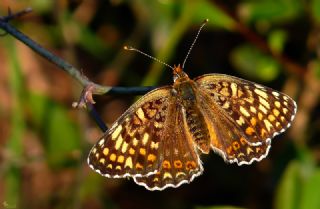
x=276, y=94
x=263, y=109
x=264, y=102
x=101, y=142
x=140, y=114
x=240, y=121
x=128, y=163
x=167, y=175
x=277, y=104
x=226, y=105
x=234, y=89
x=253, y=109
x=154, y=145
x=124, y=147
x=268, y=125
x=135, y=142
x=145, y=138
x=118, y=142
x=244, y=111
x=116, y=132
x=261, y=93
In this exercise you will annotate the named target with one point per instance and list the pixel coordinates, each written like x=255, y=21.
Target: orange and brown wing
x=180, y=162
x=131, y=146
x=243, y=116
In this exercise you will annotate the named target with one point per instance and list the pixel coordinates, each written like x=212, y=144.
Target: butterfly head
x=179, y=74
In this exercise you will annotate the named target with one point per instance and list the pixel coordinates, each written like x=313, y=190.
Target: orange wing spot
x=271, y=118
x=235, y=145
x=151, y=157
x=113, y=157
x=109, y=166
x=278, y=124
x=166, y=164
x=139, y=166
x=136, y=120
x=156, y=179
x=260, y=116
x=282, y=119
x=142, y=151
x=276, y=112
x=102, y=160
x=118, y=167
x=253, y=121
x=105, y=151
x=240, y=93
x=225, y=92
x=249, y=131
x=131, y=151
x=277, y=104
x=258, y=149
x=177, y=164
x=120, y=159
x=190, y=165
x=97, y=155
x=243, y=141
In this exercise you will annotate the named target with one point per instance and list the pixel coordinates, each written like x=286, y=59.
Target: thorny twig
x=89, y=88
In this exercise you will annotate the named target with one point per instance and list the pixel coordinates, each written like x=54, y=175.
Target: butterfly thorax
x=185, y=90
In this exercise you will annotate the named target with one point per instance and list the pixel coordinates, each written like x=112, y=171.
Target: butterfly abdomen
x=198, y=128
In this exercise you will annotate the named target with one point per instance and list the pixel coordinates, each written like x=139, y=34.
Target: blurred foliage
x=44, y=142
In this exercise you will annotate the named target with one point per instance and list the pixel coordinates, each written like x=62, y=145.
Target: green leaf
x=206, y=9
x=252, y=63
x=61, y=135
x=315, y=9
x=277, y=40
x=287, y=194
x=310, y=192
x=271, y=11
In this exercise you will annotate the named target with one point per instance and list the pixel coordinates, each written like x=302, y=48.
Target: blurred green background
x=44, y=141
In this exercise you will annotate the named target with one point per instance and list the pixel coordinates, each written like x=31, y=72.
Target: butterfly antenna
x=194, y=41
x=130, y=48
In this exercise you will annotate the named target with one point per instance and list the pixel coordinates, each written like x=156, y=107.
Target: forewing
x=131, y=146
x=249, y=115
x=180, y=163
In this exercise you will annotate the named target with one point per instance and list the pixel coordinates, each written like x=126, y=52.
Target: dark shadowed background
x=44, y=142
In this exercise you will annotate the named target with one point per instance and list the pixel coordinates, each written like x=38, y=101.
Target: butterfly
x=159, y=139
